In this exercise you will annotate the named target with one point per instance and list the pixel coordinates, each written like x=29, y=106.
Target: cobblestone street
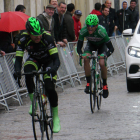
x=118, y=119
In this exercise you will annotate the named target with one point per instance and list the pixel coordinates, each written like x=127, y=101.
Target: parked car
x=132, y=55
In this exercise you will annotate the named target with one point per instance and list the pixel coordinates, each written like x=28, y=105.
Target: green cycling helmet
x=92, y=20
x=34, y=26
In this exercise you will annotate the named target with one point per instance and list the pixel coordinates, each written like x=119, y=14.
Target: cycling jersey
x=43, y=52
x=98, y=39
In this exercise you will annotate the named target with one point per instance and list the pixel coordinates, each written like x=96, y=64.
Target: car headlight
x=134, y=51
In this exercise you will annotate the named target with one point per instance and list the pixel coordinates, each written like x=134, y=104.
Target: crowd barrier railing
x=69, y=71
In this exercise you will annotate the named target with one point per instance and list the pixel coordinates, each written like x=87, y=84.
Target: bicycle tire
x=92, y=91
x=49, y=124
x=99, y=97
x=37, y=117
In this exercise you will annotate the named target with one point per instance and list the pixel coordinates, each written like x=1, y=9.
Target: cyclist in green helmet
x=97, y=39
x=43, y=52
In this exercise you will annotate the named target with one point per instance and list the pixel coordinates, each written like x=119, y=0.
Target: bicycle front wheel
x=100, y=92
x=37, y=117
x=49, y=121
x=92, y=91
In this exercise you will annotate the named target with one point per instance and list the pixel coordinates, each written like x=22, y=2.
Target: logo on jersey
x=101, y=33
x=50, y=46
x=95, y=39
x=19, y=48
x=19, y=42
x=22, y=39
x=46, y=42
x=30, y=47
x=83, y=31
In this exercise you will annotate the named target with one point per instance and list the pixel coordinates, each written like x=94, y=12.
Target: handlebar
x=93, y=56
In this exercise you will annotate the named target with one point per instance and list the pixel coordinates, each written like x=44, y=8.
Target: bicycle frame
x=95, y=66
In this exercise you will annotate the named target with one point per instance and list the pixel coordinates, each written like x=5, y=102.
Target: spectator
x=125, y=18
x=53, y=2
x=5, y=42
x=104, y=19
x=69, y=22
x=20, y=8
x=15, y=34
x=134, y=11
x=59, y=25
x=2, y=52
x=47, y=19
x=77, y=23
x=112, y=18
x=97, y=10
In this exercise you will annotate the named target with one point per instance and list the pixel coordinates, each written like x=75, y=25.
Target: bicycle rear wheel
x=100, y=92
x=92, y=91
x=37, y=117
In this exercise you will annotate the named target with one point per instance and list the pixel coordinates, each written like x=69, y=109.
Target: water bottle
x=44, y=99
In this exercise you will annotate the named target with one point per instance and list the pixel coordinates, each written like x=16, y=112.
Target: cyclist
x=42, y=51
x=97, y=39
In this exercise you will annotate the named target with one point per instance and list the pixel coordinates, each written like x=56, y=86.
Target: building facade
x=35, y=7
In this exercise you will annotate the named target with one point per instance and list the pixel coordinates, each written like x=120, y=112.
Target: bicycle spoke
x=49, y=126
x=92, y=92
x=100, y=92
x=37, y=119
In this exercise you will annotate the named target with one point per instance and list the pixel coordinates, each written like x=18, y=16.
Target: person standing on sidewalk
x=135, y=13
x=112, y=18
x=77, y=23
x=104, y=19
x=125, y=19
x=69, y=22
x=54, y=3
x=47, y=19
x=97, y=10
x=60, y=25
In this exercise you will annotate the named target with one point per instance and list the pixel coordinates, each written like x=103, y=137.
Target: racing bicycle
x=96, y=85
x=42, y=121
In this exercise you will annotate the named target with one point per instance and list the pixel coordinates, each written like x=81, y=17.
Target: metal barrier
x=69, y=71
x=7, y=84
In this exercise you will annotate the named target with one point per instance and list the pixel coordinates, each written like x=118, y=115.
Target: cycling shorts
x=90, y=47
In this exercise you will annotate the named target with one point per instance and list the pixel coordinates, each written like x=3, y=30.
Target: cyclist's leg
x=53, y=98
x=29, y=66
x=103, y=49
x=88, y=51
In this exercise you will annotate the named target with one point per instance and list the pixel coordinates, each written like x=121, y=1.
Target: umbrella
x=13, y=21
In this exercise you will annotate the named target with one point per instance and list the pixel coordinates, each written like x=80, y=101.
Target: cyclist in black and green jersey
x=42, y=51
x=97, y=40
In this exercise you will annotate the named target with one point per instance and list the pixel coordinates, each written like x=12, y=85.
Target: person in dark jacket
x=125, y=18
x=69, y=22
x=97, y=10
x=5, y=42
x=47, y=19
x=104, y=19
x=135, y=13
x=112, y=18
x=60, y=25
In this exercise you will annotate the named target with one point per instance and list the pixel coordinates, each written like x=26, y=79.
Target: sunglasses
x=90, y=26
